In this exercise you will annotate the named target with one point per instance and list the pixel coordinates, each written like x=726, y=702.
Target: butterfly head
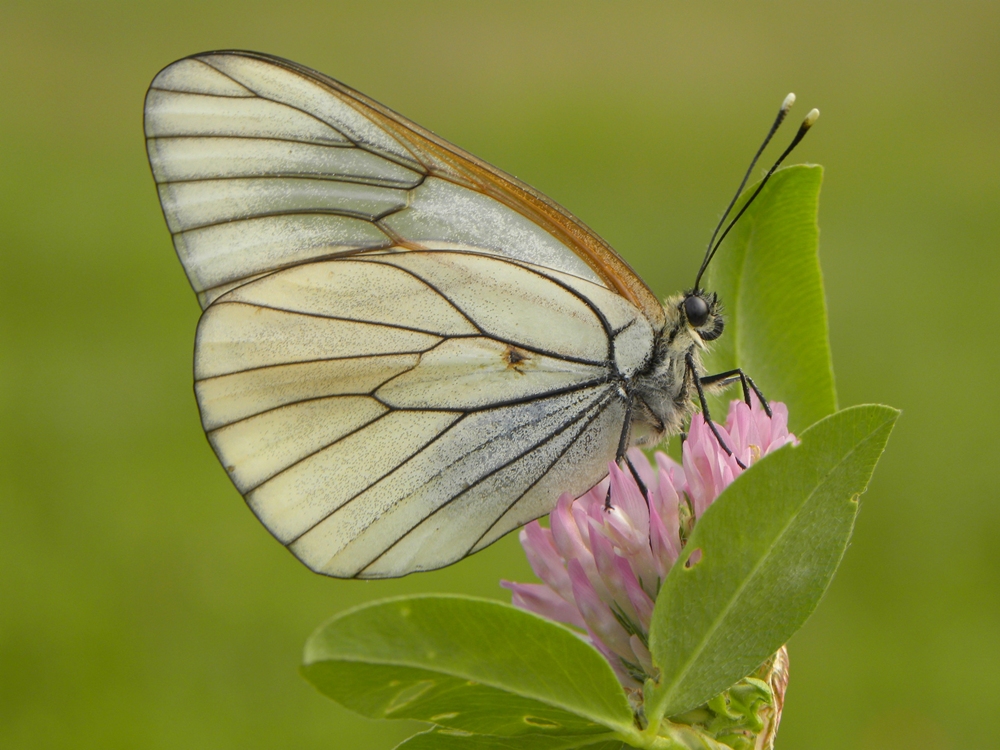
x=703, y=314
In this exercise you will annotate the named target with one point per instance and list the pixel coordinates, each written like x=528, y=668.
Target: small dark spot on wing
x=516, y=359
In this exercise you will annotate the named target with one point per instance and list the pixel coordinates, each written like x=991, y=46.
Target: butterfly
x=404, y=353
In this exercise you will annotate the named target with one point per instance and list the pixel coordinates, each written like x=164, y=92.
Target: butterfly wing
x=405, y=353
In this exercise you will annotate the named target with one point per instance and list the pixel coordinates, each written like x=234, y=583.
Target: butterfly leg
x=622, y=455
x=704, y=410
x=638, y=479
x=745, y=380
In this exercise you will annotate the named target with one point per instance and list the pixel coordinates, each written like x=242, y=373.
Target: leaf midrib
x=615, y=725
x=753, y=574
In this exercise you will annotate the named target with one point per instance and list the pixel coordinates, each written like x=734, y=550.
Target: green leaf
x=396, y=692
x=469, y=664
x=768, y=278
x=438, y=739
x=769, y=547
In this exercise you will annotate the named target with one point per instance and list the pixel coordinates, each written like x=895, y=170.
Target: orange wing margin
x=444, y=160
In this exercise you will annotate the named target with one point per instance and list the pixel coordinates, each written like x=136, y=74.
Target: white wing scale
x=482, y=466
x=229, y=398
x=202, y=203
x=394, y=369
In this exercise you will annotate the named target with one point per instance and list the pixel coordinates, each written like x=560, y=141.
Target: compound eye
x=696, y=310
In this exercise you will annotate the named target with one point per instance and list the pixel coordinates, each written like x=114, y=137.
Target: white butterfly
x=404, y=352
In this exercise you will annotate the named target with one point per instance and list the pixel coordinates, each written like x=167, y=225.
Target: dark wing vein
x=278, y=269
x=342, y=319
x=294, y=212
x=490, y=334
x=395, y=468
x=599, y=409
x=255, y=95
x=560, y=391
x=532, y=268
x=329, y=395
x=248, y=95
x=324, y=177
x=357, y=179
x=364, y=147
x=225, y=136
x=318, y=359
x=433, y=288
x=477, y=446
x=318, y=450
x=527, y=449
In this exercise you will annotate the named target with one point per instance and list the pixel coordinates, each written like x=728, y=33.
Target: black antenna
x=807, y=123
x=785, y=106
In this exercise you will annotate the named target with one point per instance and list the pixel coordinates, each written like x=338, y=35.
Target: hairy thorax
x=663, y=393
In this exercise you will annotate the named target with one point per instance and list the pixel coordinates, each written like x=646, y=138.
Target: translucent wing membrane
x=405, y=353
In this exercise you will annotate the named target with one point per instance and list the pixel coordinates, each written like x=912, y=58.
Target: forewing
x=392, y=412
x=263, y=164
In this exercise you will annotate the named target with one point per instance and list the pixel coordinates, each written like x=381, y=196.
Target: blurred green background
x=141, y=605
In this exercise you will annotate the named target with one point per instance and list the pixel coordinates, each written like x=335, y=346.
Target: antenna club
x=810, y=118
x=787, y=104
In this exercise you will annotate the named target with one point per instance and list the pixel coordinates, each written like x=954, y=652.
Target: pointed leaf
x=768, y=279
x=471, y=664
x=769, y=547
